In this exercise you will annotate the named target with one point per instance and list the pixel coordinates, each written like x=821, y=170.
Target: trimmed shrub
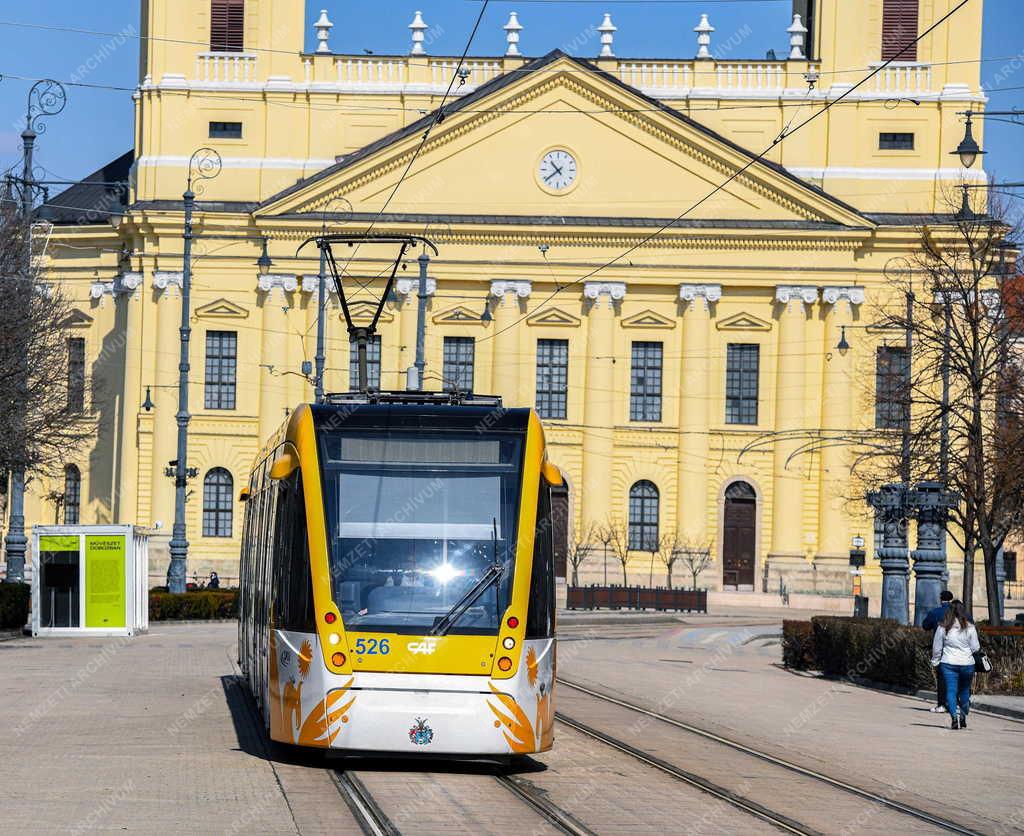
x=14, y=604
x=193, y=606
x=887, y=652
x=798, y=645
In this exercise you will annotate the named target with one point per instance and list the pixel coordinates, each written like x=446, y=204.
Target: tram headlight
x=333, y=638
x=508, y=643
x=504, y=664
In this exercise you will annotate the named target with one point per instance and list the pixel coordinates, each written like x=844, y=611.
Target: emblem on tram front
x=421, y=734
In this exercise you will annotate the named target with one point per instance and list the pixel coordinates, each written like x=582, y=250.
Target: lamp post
x=205, y=164
x=45, y=98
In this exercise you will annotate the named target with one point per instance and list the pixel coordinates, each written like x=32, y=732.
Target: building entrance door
x=738, y=538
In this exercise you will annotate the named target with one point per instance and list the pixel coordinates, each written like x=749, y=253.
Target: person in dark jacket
x=931, y=621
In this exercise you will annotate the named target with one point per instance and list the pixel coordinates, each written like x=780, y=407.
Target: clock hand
x=552, y=174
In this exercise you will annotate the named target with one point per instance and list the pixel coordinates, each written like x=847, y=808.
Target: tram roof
x=419, y=411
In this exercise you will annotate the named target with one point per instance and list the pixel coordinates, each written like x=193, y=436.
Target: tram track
x=367, y=812
x=779, y=820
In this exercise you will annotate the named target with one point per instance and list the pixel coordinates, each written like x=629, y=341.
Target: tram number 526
x=372, y=647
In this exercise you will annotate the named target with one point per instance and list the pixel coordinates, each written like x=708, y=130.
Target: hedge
x=14, y=602
x=884, y=651
x=193, y=606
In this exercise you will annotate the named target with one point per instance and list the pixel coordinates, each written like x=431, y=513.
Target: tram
x=397, y=578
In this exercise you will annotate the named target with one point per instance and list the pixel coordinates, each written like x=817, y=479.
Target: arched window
x=218, y=495
x=72, y=494
x=643, y=516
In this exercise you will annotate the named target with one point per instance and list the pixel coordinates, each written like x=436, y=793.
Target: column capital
x=833, y=295
x=788, y=293
x=615, y=291
x=705, y=292
x=164, y=280
x=521, y=287
x=411, y=286
x=310, y=283
x=124, y=284
x=285, y=282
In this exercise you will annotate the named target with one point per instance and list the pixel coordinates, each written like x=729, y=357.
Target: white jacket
x=957, y=647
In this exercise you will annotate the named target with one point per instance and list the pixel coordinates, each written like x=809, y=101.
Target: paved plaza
x=155, y=735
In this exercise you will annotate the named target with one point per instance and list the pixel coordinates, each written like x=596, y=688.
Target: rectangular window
x=552, y=378
x=227, y=25
x=76, y=374
x=372, y=364
x=899, y=30
x=221, y=365
x=742, y=371
x=645, y=382
x=225, y=130
x=892, y=387
x=895, y=142
x=458, y=363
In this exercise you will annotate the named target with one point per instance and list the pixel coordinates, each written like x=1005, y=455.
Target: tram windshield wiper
x=488, y=579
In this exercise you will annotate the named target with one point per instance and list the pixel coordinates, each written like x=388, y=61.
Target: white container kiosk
x=89, y=580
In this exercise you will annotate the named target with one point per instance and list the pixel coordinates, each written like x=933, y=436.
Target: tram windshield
x=415, y=522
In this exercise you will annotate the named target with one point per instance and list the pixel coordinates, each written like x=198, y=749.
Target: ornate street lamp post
x=45, y=98
x=205, y=164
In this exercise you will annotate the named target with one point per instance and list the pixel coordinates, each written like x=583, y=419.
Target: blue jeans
x=958, y=687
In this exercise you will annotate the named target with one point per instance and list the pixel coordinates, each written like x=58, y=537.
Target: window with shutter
x=227, y=25
x=899, y=30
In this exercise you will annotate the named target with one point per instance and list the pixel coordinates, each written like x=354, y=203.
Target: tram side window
x=292, y=582
x=540, y=622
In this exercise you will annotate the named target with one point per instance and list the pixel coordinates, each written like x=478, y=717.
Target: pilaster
x=507, y=381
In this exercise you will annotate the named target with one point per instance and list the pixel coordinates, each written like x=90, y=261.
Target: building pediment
x=459, y=315
x=77, y=319
x=648, y=319
x=222, y=308
x=486, y=157
x=553, y=317
x=744, y=322
x=362, y=312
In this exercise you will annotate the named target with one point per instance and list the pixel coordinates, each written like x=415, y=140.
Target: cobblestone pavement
x=155, y=735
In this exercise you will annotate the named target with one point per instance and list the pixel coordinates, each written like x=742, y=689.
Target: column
x=932, y=503
x=692, y=510
x=273, y=352
x=165, y=397
x=309, y=284
x=890, y=503
x=787, y=551
x=407, y=290
x=507, y=365
x=837, y=408
x=126, y=493
x=599, y=401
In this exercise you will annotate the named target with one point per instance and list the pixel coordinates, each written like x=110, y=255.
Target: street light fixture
x=843, y=346
x=968, y=150
x=264, y=262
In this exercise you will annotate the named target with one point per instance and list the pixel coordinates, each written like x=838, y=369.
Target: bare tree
x=582, y=545
x=949, y=298
x=41, y=397
x=617, y=534
x=695, y=556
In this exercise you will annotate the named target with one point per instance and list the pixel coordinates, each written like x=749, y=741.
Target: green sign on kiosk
x=104, y=581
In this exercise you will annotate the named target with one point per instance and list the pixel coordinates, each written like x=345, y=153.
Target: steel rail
x=368, y=813
x=869, y=795
x=559, y=818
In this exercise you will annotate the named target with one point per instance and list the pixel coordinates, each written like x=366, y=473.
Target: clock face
x=557, y=170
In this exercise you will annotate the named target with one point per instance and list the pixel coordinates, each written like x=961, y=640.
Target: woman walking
x=953, y=649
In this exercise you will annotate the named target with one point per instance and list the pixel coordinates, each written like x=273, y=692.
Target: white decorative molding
x=703, y=30
x=607, y=30
x=512, y=30
x=615, y=291
x=284, y=282
x=407, y=287
x=889, y=174
x=417, y=27
x=164, y=280
x=788, y=293
x=705, y=292
x=310, y=283
x=797, y=31
x=521, y=287
x=852, y=295
x=323, y=28
x=122, y=285
x=129, y=282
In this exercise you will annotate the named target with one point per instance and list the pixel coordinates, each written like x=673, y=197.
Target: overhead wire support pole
x=421, y=321
x=319, y=359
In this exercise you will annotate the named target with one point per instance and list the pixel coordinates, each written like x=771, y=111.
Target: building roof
x=95, y=198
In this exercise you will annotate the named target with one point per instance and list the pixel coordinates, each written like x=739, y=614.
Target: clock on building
x=557, y=170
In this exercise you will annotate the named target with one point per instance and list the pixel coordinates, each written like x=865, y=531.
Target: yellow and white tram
x=397, y=589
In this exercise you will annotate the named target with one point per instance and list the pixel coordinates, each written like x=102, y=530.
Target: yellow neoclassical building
x=680, y=347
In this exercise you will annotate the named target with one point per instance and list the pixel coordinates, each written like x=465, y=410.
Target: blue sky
x=96, y=125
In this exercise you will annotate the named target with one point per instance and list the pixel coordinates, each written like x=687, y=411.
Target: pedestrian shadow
x=940, y=727
x=253, y=740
